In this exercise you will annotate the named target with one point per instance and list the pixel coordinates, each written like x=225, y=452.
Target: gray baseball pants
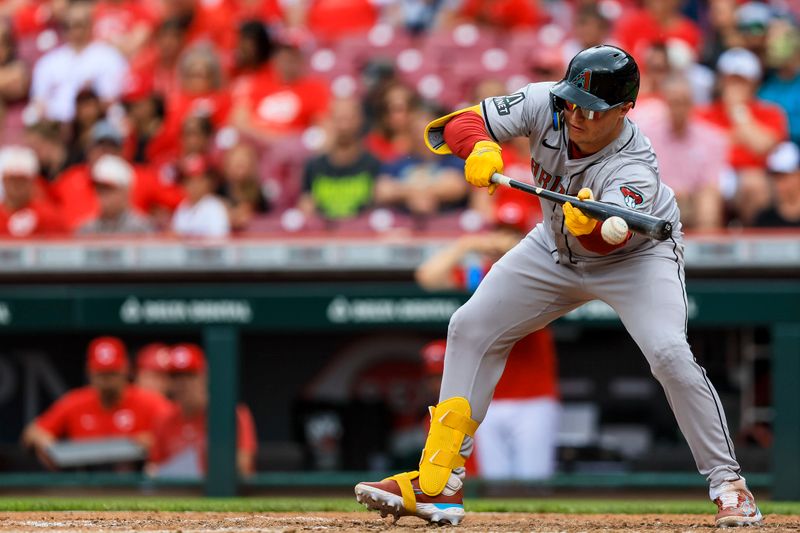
x=526, y=289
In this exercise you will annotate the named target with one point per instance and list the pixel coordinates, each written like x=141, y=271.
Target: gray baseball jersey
x=624, y=173
x=549, y=274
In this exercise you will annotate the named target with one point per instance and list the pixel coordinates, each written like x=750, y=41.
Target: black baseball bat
x=648, y=225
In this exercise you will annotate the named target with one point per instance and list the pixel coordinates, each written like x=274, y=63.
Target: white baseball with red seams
x=614, y=230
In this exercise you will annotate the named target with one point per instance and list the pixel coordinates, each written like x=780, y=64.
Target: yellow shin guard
x=450, y=423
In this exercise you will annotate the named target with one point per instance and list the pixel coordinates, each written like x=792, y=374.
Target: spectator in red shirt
x=288, y=103
x=74, y=192
x=504, y=14
x=152, y=368
x=754, y=128
x=212, y=22
x=656, y=21
x=329, y=20
x=126, y=24
x=156, y=67
x=24, y=211
x=108, y=407
x=200, y=94
x=180, y=447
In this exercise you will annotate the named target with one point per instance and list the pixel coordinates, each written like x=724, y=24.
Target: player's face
x=593, y=130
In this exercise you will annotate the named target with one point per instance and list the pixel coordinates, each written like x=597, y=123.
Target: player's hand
x=577, y=223
x=484, y=161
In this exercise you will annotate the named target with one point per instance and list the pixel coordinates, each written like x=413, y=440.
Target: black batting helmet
x=598, y=78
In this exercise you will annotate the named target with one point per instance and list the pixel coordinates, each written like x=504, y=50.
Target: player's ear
x=624, y=108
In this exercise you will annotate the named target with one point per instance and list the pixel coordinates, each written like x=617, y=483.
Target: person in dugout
x=180, y=447
x=109, y=406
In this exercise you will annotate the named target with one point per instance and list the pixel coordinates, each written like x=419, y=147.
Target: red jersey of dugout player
x=527, y=390
x=108, y=407
x=180, y=447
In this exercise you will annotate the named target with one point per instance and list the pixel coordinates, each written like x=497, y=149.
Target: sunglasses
x=588, y=114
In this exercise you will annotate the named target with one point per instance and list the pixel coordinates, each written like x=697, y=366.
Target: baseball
x=614, y=230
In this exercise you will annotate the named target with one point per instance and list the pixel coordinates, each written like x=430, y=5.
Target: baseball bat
x=644, y=224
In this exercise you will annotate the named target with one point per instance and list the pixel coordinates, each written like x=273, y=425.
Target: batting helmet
x=599, y=78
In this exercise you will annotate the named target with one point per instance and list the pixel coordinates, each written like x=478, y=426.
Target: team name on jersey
x=545, y=180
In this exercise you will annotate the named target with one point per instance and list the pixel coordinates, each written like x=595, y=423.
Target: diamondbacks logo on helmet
x=583, y=79
x=633, y=198
x=503, y=104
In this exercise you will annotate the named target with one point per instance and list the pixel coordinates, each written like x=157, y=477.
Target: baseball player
x=581, y=144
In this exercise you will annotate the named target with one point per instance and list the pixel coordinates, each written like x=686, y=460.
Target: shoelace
x=730, y=500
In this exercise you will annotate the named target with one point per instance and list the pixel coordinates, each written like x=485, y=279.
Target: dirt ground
x=350, y=522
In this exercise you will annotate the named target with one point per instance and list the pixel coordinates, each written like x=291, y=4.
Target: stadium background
x=294, y=288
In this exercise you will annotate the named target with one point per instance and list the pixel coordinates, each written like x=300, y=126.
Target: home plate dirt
x=350, y=522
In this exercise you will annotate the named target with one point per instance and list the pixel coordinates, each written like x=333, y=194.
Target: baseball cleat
x=387, y=498
x=736, y=506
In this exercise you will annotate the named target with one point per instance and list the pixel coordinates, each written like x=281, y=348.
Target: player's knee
x=467, y=328
x=671, y=362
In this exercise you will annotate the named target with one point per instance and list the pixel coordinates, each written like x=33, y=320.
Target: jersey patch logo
x=633, y=198
x=503, y=104
x=583, y=79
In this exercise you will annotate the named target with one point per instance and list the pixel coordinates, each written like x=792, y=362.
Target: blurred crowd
x=211, y=118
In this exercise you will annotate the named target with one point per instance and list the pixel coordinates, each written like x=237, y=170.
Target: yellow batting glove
x=577, y=223
x=484, y=161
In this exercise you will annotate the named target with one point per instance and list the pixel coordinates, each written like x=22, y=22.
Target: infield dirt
x=70, y=521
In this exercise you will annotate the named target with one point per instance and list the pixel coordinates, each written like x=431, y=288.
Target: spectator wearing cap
x=241, y=188
x=421, y=182
x=754, y=128
x=112, y=177
x=753, y=20
x=24, y=210
x=108, y=407
x=153, y=367
x=74, y=190
x=338, y=184
x=202, y=213
x=180, y=448
x=81, y=62
x=783, y=165
x=287, y=103
x=782, y=85
x=691, y=153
